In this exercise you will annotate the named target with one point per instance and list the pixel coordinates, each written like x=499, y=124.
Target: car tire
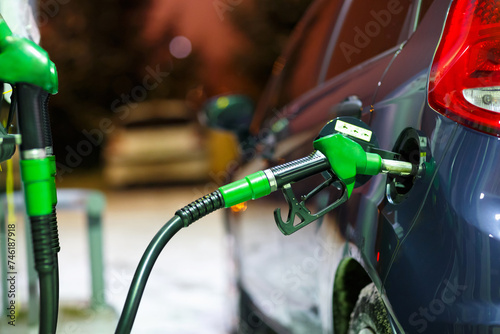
x=369, y=315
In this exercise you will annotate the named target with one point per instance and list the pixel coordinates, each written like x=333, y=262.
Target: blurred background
x=133, y=76
x=127, y=66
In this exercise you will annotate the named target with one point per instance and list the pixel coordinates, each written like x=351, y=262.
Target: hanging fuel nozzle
x=27, y=68
x=33, y=76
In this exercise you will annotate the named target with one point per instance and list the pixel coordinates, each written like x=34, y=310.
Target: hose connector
x=253, y=186
x=38, y=184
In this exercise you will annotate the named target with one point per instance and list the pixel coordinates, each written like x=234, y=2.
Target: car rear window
x=301, y=69
x=369, y=28
x=424, y=6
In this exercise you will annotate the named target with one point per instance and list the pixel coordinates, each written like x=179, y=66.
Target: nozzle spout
x=397, y=167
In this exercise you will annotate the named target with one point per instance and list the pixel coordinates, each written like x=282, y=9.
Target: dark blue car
x=403, y=254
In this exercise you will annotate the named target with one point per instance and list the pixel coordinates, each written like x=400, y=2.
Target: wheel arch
x=349, y=280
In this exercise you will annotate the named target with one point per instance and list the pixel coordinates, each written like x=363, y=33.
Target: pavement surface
x=189, y=290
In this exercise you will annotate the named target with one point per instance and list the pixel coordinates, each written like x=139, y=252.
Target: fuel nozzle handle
x=343, y=156
x=297, y=170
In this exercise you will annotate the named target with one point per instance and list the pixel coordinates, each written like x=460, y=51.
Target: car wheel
x=369, y=315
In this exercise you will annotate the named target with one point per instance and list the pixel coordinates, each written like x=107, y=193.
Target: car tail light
x=464, y=83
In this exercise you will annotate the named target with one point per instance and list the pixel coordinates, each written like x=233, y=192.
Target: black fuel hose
x=183, y=218
x=45, y=266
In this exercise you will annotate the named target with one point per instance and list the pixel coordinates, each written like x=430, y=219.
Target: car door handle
x=351, y=106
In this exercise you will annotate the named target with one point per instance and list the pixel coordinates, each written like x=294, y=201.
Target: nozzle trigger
x=299, y=209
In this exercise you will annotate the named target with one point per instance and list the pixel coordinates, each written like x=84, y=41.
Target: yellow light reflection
x=222, y=102
x=239, y=207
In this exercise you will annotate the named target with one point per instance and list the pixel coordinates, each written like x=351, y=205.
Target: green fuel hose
x=141, y=275
x=183, y=218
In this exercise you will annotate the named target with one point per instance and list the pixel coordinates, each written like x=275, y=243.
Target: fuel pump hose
x=345, y=158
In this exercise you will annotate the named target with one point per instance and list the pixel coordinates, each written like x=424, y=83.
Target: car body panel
x=448, y=257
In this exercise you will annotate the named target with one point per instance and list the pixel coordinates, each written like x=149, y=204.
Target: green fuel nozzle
x=343, y=156
x=27, y=67
x=339, y=156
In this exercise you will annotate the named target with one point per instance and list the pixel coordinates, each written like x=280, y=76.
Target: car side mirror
x=229, y=112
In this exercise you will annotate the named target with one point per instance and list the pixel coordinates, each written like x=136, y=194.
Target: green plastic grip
x=251, y=187
x=38, y=186
x=347, y=158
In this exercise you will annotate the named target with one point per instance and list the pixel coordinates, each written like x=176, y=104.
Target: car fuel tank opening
x=411, y=147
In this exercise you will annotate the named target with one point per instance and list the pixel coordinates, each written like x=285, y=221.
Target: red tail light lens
x=464, y=83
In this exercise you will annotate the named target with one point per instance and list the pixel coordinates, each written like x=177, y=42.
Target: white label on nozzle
x=353, y=130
